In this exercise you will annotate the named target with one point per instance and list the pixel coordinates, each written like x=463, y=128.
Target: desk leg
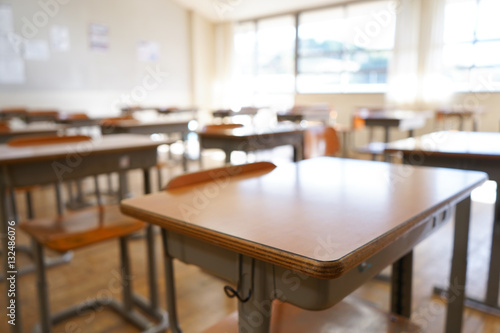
x=387, y=134
x=345, y=144
x=298, y=150
x=494, y=273
x=228, y=156
x=401, y=285
x=185, y=152
x=150, y=239
x=456, y=288
x=170, y=286
x=254, y=316
x=4, y=218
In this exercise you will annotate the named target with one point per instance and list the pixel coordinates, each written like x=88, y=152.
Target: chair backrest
x=321, y=141
x=46, y=140
x=217, y=173
x=220, y=127
x=74, y=116
x=4, y=126
x=357, y=122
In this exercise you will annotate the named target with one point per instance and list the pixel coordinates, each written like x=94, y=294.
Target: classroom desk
x=30, y=130
x=175, y=111
x=164, y=110
x=150, y=127
x=312, y=113
x=249, y=139
x=78, y=122
x=310, y=233
x=461, y=115
x=404, y=120
x=470, y=151
x=48, y=164
x=245, y=111
x=146, y=127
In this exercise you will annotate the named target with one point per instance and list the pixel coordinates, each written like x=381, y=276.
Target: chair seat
x=82, y=228
x=350, y=315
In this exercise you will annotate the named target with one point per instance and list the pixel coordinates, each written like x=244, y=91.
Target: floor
x=94, y=272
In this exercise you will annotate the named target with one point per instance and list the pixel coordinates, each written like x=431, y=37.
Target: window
x=265, y=60
x=346, y=49
x=472, y=43
x=342, y=49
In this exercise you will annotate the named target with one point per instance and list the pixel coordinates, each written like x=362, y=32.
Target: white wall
x=94, y=81
x=203, y=60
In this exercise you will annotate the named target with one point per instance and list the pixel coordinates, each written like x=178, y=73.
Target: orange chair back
x=217, y=173
x=321, y=141
x=212, y=128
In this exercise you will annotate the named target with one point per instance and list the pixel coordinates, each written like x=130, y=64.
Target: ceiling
x=235, y=10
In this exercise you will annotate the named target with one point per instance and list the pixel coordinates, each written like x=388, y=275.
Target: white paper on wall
x=36, y=49
x=6, y=21
x=11, y=63
x=98, y=37
x=59, y=38
x=148, y=51
x=12, y=71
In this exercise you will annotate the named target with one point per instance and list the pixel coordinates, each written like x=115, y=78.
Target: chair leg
x=43, y=294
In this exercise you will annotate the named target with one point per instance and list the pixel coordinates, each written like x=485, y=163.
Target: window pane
x=338, y=47
x=321, y=34
x=371, y=25
x=460, y=21
x=487, y=53
x=276, y=51
x=368, y=67
x=485, y=79
x=323, y=30
x=276, y=46
x=460, y=78
x=458, y=55
x=244, y=48
x=488, y=23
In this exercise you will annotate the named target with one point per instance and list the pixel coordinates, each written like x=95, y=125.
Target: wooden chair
x=321, y=141
x=183, y=182
x=71, y=231
x=4, y=126
x=193, y=178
